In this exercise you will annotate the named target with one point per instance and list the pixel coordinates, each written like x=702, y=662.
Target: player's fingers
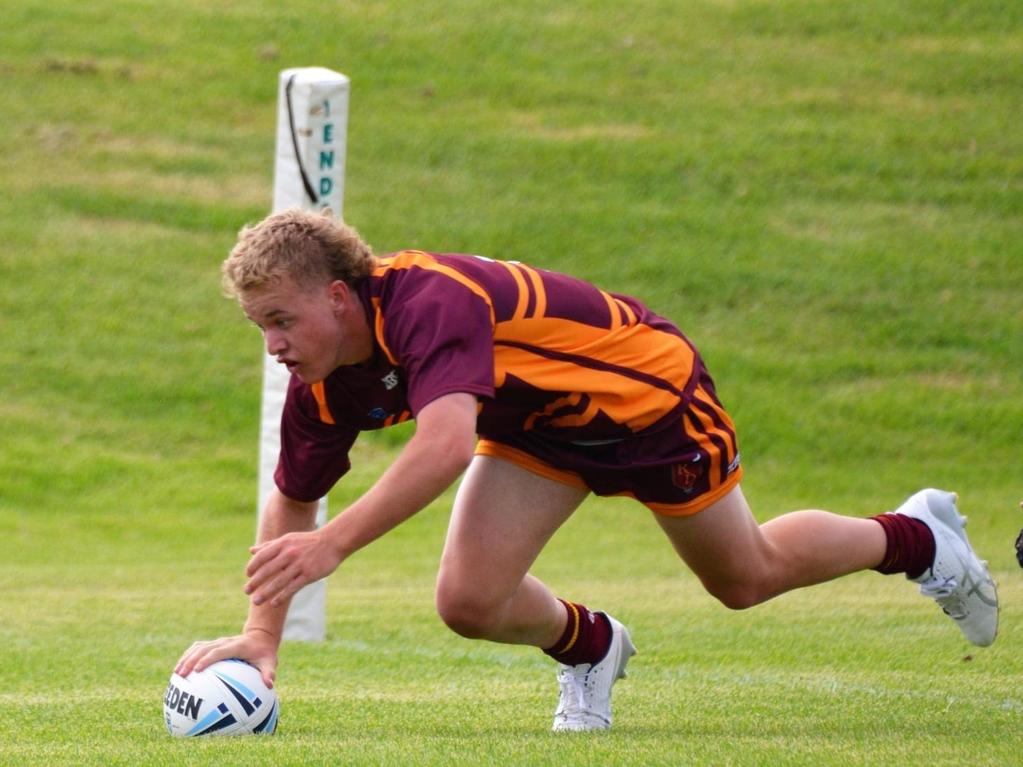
x=192, y=658
x=288, y=590
x=268, y=671
x=187, y=659
x=264, y=582
x=186, y=655
x=212, y=654
x=277, y=588
x=261, y=554
x=262, y=568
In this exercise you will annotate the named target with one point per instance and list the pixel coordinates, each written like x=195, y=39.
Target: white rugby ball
x=226, y=698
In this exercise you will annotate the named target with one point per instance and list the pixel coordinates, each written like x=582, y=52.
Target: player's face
x=312, y=331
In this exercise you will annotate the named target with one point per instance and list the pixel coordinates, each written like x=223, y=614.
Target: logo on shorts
x=390, y=380
x=685, y=475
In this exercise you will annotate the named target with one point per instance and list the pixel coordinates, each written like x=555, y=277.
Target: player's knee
x=465, y=613
x=737, y=595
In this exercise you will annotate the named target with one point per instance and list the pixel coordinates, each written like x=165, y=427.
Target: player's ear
x=339, y=295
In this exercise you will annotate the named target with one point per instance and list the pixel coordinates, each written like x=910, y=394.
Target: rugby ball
x=225, y=698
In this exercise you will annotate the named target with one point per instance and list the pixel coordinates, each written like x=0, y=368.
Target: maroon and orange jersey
x=545, y=354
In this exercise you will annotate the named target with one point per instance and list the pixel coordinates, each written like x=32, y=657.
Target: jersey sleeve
x=314, y=454
x=442, y=333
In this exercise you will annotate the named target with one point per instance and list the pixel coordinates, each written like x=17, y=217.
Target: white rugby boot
x=585, y=702
x=958, y=580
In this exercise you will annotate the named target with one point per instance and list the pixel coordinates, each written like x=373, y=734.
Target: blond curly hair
x=310, y=248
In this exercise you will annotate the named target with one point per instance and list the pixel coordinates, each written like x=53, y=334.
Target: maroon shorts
x=676, y=471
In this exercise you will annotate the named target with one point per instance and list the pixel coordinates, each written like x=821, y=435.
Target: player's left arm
x=438, y=452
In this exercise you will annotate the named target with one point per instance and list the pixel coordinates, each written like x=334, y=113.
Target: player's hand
x=281, y=567
x=256, y=646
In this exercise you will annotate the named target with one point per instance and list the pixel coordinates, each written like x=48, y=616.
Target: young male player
x=570, y=390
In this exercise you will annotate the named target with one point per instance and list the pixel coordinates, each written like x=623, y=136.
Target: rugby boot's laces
x=585, y=701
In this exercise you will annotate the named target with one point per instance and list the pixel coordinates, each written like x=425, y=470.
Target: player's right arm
x=261, y=636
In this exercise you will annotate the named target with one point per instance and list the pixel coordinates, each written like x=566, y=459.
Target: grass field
x=827, y=197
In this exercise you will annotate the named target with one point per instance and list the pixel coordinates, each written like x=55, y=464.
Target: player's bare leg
x=503, y=517
x=743, y=563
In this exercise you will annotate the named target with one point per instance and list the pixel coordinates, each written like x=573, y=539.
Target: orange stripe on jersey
x=654, y=352
x=520, y=282
x=630, y=316
x=625, y=400
x=408, y=259
x=538, y=288
x=378, y=330
x=321, y=402
x=612, y=310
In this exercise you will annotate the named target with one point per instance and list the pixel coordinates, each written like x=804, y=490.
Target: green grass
x=825, y=196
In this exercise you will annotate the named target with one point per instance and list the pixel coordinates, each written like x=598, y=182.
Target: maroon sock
x=910, y=547
x=586, y=639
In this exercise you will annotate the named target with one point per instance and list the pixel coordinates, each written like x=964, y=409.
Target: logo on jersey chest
x=387, y=405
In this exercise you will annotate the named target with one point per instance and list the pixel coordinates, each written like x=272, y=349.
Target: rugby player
x=541, y=389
